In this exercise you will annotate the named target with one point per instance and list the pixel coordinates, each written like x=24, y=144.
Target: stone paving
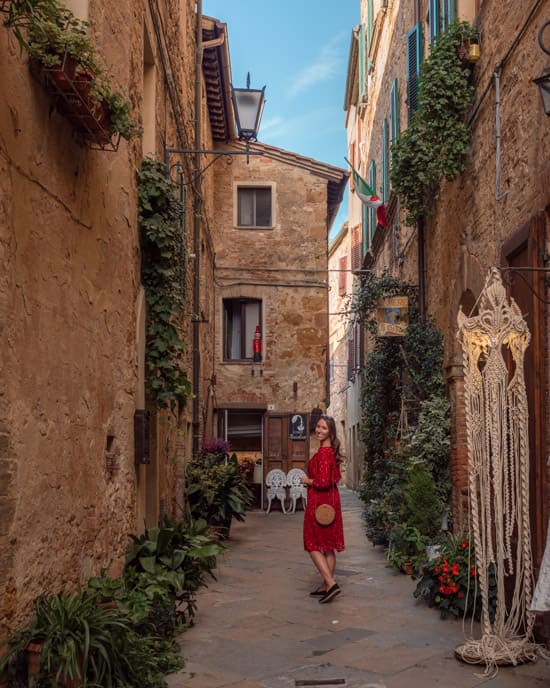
x=257, y=627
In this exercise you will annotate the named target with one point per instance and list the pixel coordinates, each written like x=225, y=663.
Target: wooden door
x=279, y=450
x=523, y=254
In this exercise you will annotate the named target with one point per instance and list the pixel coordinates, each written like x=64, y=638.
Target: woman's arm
x=324, y=479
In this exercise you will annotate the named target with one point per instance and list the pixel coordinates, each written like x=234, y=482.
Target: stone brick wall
x=69, y=285
x=285, y=267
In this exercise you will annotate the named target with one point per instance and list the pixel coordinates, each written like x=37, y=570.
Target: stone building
x=86, y=456
x=493, y=214
x=73, y=307
x=273, y=214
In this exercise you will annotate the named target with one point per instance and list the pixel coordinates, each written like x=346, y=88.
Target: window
x=414, y=60
x=342, y=266
x=254, y=206
x=240, y=319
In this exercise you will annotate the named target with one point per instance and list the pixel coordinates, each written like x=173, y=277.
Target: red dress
x=324, y=471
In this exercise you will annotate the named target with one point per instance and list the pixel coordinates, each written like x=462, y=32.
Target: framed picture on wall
x=297, y=426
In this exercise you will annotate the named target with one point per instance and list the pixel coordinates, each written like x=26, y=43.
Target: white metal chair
x=296, y=489
x=276, y=488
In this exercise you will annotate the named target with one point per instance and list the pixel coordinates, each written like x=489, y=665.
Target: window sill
x=253, y=227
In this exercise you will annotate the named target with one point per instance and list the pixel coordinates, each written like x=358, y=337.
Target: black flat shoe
x=317, y=593
x=330, y=594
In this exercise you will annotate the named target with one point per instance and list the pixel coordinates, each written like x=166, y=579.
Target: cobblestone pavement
x=256, y=626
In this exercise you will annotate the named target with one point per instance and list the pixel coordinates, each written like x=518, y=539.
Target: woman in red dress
x=322, y=542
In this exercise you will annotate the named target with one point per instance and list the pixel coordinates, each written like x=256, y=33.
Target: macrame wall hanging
x=494, y=344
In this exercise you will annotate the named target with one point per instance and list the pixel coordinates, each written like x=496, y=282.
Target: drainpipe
x=197, y=212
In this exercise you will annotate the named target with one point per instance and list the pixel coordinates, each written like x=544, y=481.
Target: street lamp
x=248, y=105
x=543, y=80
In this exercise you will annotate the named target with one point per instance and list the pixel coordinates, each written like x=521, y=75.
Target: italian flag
x=368, y=197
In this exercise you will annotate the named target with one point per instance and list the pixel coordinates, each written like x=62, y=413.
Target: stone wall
x=285, y=267
x=69, y=286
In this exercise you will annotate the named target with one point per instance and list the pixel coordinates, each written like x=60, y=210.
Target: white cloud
x=324, y=68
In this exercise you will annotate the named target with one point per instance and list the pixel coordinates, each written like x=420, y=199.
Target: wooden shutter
x=385, y=161
x=356, y=248
x=372, y=211
x=370, y=20
x=434, y=20
x=394, y=112
x=362, y=64
x=365, y=227
x=449, y=13
x=414, y=60
x=343, y=265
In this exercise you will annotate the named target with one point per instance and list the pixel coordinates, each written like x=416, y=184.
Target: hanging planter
x=72, y=90
x=66, y=62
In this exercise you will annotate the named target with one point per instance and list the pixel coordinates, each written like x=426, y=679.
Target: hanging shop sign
x=392, y=316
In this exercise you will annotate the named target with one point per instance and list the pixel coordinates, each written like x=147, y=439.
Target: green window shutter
x=385, y=161
x=414, y=60
x=362, y=64
x=449, y=12
x=372, y=211
x=365, y=228
x=370, y=19
x=434, y=19
x=394, y=112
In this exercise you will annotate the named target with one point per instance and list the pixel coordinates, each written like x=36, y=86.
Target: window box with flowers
x=450, y=582
x=66, y=62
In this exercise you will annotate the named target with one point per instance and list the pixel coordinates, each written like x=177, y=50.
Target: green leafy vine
x=435, y=145
x=163, y=259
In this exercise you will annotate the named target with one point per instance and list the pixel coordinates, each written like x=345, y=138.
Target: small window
x=254, y=206
x=240, y=319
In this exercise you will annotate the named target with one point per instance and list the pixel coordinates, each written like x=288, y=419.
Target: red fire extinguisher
x=257, y=345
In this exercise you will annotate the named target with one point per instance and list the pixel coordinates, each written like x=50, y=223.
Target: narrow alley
x=257, y=627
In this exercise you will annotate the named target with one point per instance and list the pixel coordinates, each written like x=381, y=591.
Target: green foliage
x=407, y=546
x=49, y=32
x=430, y=445
x=424, y=508
x=451, y=582
x=435, y=145
x=84, y=642
x=163, y=259
x=175, y=561
x=216, y=491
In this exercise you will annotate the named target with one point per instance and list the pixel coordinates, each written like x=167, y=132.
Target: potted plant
x=217, y=491
x=450, y=583
x=75, y=639
x=63, y=55
x=406, y=548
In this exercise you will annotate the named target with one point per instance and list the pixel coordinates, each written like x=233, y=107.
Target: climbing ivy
x=162, y=274
x=435, y=145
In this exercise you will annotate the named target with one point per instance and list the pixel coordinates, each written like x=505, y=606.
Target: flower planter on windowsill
x=70, y=89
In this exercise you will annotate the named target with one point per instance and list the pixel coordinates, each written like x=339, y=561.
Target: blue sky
x=299, y=50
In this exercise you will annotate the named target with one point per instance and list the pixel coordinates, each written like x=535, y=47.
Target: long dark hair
x=333, y=437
